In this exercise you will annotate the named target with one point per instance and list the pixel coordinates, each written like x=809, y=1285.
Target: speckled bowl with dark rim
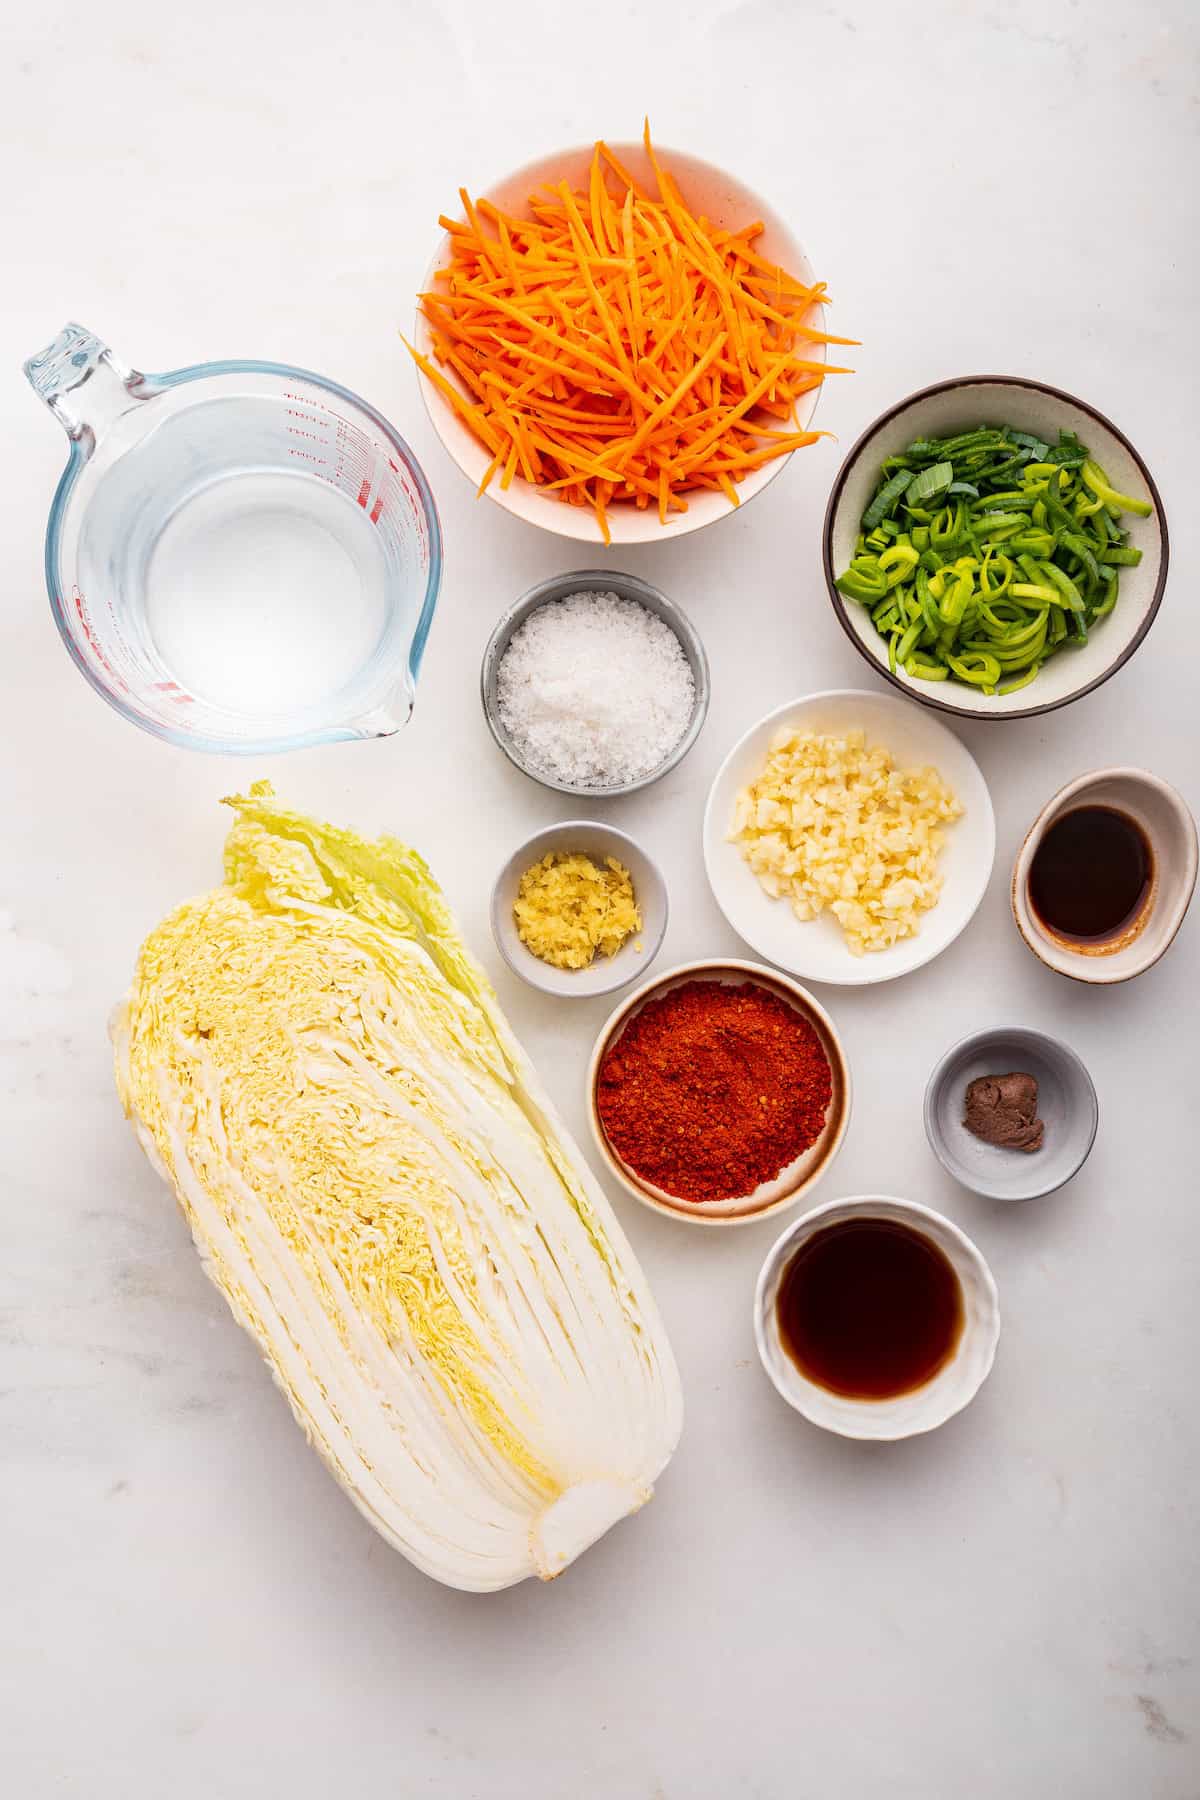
x=960, y=405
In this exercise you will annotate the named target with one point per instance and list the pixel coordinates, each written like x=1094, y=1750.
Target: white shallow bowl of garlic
x=817, y=949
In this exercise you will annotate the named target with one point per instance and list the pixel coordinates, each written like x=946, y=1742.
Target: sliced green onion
x=1071, y=596
x=994, y=522
x=909, y=641
x=925, y=670
x=977, y=667
x=949, y=527
x=1106, y=605
x=1018, y=681
x=886, y=499
x=929, y=483
x=898, y=563
x=1096, y=479
x=986, y=584
x=983, y=554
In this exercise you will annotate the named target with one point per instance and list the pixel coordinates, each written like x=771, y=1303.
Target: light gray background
x=1007, y=1609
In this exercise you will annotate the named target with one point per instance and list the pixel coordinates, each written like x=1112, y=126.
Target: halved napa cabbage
x=383, y=1192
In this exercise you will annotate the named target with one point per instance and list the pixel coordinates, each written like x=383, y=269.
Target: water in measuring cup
x=263, y=593
x=218, y=568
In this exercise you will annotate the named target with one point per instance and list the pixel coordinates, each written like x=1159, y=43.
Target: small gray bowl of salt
x=595, y=683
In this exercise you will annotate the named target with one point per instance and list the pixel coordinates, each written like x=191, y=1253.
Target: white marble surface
x=189, y=1606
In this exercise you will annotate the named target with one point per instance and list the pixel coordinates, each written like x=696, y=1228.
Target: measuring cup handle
x=77, y=360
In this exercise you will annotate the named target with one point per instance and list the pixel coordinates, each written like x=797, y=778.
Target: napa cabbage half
x=380, y=1187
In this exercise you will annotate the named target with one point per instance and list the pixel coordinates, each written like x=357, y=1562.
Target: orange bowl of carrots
x=621, y=343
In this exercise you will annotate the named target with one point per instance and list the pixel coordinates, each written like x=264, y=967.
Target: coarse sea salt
x=594, y=690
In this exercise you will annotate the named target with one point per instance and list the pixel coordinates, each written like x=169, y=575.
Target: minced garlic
x=832, y=824
x=568, y=908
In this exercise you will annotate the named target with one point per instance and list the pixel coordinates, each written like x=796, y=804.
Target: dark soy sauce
x=869, y=1308
x=1091, y=874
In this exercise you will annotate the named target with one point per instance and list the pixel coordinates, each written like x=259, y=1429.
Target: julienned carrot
x=617, y=347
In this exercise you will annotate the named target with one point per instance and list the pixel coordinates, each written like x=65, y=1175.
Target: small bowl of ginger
x=579, y=909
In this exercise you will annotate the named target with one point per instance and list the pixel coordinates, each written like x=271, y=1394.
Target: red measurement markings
x=93, y=642
x=408, y=489
x=356, y=458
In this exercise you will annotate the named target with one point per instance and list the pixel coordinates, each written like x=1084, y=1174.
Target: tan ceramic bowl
x=799, y=1176
x=722, y=199
x=1164, y=817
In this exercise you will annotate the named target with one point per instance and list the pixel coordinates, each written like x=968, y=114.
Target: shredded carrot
x=617, y=347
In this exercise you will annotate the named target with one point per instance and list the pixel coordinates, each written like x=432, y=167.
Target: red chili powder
x=712, y=1089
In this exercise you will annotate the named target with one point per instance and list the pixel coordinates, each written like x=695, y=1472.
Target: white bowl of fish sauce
x=1105, y=875
x=876, y=1318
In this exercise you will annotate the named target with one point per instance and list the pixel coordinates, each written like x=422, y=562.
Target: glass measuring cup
x=240, y=556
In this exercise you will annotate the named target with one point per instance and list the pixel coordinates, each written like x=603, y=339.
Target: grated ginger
x=568, y=908
x=832, y=824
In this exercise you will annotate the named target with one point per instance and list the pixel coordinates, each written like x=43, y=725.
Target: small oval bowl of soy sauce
x=876, y=1317
x=1106, y=875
